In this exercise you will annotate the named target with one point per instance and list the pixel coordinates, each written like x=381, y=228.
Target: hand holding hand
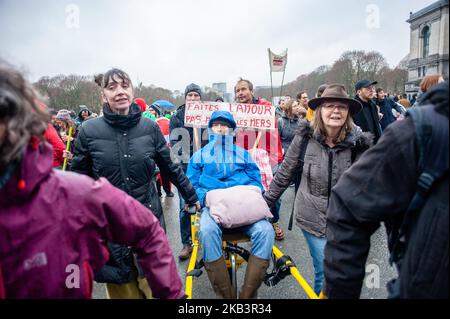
x=68, y=155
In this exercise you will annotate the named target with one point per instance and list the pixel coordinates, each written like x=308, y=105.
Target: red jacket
x=164, y=123
x=270, y=141
x=58, y=146
x=54, y=227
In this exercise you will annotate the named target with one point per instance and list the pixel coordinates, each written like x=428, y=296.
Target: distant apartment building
x=220, y=87
x=228, y=97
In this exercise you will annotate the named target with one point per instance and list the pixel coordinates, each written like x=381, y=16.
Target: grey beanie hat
x=193, y=88
x=63, y=115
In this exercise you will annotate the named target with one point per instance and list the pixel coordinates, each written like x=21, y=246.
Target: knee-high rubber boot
x=254, y=276
x=219, y=278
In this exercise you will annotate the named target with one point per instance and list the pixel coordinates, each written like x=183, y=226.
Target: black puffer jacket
x=125, y=149
x=178, y=132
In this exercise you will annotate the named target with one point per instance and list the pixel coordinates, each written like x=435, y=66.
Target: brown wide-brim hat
x=336, y=92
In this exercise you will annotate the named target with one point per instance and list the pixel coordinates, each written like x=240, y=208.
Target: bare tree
x=351, y=67
x=71, y=91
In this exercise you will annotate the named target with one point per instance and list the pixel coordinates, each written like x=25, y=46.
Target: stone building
x=428, y=44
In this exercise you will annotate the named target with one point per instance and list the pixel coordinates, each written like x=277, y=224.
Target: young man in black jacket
x=368, y=120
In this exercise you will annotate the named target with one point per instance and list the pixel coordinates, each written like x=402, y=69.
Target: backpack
x=419, y=235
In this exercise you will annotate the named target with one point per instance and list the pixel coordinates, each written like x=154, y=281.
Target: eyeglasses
x=332, y=106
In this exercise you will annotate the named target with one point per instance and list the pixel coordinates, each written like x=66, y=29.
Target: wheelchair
x=236, y=255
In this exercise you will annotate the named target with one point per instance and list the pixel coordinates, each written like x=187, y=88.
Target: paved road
x=378, y=271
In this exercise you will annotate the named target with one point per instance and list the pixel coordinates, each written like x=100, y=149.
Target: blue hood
x=220, y=163
x=226, y=141
x=224, y=116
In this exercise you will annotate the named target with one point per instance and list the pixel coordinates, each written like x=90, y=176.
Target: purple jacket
x=54, y=227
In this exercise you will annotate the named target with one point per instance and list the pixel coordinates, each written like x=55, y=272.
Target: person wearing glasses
x=333, y=143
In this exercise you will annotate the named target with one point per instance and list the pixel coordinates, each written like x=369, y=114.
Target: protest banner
x=259, y=117
x=277, y=61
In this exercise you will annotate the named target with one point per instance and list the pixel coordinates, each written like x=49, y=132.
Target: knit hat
x=156, y=108
x=141, y=102
x=63, y=115
x=192, y=88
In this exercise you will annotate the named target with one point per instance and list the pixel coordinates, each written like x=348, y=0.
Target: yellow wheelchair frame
x=234, y=257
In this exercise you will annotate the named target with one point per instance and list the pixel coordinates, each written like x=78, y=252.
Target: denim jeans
x=261, y=235
x=316, y=249
x=185, y=224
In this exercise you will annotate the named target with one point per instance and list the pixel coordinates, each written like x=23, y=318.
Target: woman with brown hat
x=331, y=143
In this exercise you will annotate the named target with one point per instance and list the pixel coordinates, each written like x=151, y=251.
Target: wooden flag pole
x=258, y=138
x=270, y=69
x=282, y=81
x=67, y=148
x=196, y=139
x=271, y=86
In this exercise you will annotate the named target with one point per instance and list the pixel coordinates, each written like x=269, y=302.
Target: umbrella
x=163, y=104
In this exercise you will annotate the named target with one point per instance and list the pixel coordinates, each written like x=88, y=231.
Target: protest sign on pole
x=277, y=63
x=196, y=139
x=260, y=117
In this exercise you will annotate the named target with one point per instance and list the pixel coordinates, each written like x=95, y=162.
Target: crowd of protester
x=88, y=183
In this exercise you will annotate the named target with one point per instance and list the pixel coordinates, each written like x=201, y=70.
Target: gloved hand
x=197, y=206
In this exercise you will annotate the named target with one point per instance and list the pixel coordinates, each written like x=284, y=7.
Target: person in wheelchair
x=221, y=165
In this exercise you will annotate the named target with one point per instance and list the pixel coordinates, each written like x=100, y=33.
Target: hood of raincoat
x=222, y=140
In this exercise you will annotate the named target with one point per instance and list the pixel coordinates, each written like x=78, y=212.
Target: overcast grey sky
x=171, y=43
